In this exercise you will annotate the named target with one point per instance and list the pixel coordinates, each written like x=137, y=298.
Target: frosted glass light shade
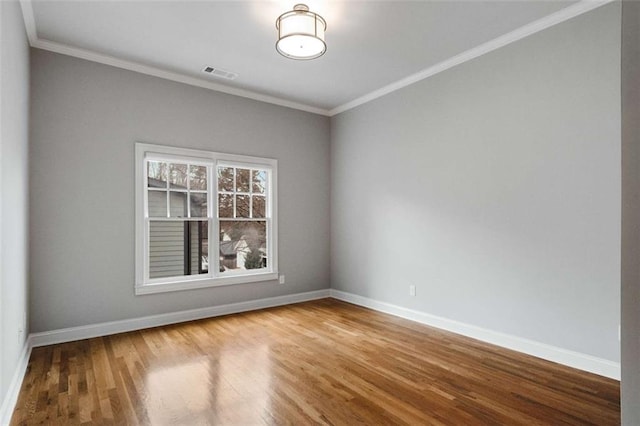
x=301, y=34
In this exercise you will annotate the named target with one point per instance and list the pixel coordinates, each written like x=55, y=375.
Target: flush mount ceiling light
x=301, y=34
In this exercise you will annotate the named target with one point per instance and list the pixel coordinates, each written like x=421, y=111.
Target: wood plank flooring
x=321, y=362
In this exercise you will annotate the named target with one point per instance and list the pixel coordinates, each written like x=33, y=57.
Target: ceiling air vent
x=220, y=73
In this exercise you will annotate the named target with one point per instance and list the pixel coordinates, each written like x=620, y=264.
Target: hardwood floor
x=321, y=362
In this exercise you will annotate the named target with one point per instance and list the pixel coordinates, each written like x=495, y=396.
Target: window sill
x=203, y=283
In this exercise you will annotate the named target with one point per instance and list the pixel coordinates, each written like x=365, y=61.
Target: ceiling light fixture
x=301, y=34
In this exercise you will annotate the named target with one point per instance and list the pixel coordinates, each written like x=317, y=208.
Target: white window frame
x=148, y=152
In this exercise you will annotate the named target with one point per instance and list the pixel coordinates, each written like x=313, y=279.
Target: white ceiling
x=371, y=44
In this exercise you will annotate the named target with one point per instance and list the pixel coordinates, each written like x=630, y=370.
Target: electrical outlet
x=412, y=290
x=282, y=279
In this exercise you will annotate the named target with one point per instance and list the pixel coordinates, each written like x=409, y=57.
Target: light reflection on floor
x=196, y=393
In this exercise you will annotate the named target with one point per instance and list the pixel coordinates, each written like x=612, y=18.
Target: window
x=203, y=219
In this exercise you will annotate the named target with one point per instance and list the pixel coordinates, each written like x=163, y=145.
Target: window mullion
x=168, y=190
x=147, y=225
x=145, y=195
x=234, y=196
x=267, y=195
x=250, y=192
x=214, y=225
x=188, y=200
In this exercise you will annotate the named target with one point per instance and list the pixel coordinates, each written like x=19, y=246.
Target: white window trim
x=212, y=279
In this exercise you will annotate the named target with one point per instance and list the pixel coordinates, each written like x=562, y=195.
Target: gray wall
x=630, y=213
x=14, y=115
x=86, y=118
x=494, y=188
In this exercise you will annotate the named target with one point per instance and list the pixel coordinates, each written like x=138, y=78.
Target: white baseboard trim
x=566, y=357
x=104, y=329
x=10, y=399
x=573, y=359
x=113, y=327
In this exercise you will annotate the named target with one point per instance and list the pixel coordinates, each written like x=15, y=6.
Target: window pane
x=225, y=205
x=242, y=206
x=157, y=203
x=243, y=245
x=157, y=174
x=178, y=248
x=198, y=177
x=242, y=180
x=178, y=176
x=258, y=206
x=198, y=205
x=225, y=179
x=178, y=204
x=259, y=179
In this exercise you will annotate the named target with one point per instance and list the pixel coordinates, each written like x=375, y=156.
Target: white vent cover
x=220, y=73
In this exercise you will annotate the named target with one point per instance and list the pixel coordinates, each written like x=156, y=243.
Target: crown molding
x=558, y=17
x=65, y=49
x=29, y=20
x=169, y=75
x=583, y=6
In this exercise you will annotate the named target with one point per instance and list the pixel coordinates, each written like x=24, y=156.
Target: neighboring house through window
x=203, y=219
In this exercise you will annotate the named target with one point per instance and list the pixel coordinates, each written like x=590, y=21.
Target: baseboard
x=10, y=399
x=573, y=359
x=562, y=356
x=113, y=327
